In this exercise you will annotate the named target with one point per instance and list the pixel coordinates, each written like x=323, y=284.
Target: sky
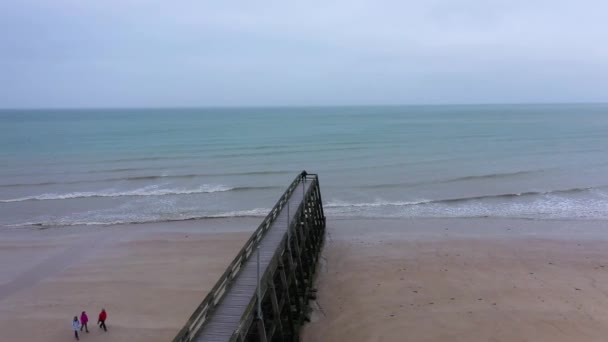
x=183, y=53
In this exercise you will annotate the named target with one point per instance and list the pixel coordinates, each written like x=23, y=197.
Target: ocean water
x=102, y=167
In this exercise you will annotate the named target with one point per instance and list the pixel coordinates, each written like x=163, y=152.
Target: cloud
x=197, y=53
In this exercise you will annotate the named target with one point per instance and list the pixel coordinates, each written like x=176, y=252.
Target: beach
x=378, y=280
x=148, y=277
x=455, y=222
x=462, y=280
x=459, y=151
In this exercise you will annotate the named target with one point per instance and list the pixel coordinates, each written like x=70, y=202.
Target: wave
x=146, y=191
x=340, y=204
x=490, y=176
x=123, y=169
x=451, y=180
x=147, y=177
x=474, y=206
x=252, y=173
x=291, y=151
x=115, y=179
x=392, y=185
x=517, y=194
x=257, y=212
x=211, y=174
x=15, y=185
x=166, y=157
x=244, y=173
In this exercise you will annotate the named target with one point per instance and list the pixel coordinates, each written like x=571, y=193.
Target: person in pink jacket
x=84, y=319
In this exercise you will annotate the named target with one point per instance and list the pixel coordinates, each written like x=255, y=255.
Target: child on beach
x=76, y=327
x=84, y=319
x=102, y=319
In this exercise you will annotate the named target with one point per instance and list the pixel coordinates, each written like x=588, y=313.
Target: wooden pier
x=263, y=294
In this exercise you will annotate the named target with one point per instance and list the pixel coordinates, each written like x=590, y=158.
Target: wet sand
x=462, y=280
x=149, y=277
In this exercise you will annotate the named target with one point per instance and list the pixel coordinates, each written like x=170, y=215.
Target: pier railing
x=214, y=297
x=293, y=264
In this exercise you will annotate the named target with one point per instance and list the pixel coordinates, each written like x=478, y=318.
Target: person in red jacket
x=102, y=319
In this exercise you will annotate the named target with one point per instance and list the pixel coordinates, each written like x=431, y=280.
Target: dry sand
x=150, y=278
x=463, y=280
x=381, y=280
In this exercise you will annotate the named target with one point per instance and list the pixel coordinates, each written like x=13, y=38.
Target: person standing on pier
x=102, y=319
x=76, y=327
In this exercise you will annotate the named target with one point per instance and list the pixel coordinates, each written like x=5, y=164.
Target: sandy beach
x=380, y=280
x=462, y=280
x=149, y=277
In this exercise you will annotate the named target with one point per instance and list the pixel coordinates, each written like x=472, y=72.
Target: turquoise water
x=68, y=167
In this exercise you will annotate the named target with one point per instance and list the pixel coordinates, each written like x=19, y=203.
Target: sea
x=100, y=167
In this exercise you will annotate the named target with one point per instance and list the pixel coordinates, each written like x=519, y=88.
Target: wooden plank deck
x=226, y=317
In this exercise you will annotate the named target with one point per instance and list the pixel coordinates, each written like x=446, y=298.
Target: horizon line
x=298, y=106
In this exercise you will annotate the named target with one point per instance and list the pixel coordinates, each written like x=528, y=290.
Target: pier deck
x=264, y=293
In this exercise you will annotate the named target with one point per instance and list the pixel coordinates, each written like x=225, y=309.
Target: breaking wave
x=146, y=191
x=108, y=221
x=341, y=204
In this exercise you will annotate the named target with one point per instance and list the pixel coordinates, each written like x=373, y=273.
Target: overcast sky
x=125, y=53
